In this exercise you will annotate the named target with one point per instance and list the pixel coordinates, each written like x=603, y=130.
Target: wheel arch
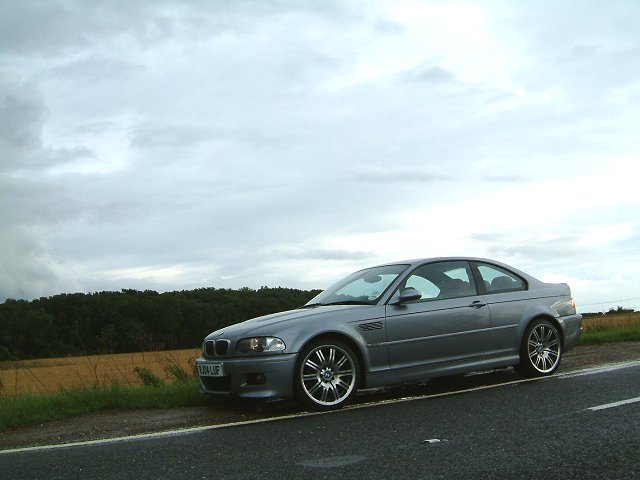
x=529, y=367
x=348, y=341
x=550, y=318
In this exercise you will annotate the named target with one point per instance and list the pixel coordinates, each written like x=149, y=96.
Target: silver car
x=395, y=323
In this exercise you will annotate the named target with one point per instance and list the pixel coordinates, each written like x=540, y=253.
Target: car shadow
x=255, y=409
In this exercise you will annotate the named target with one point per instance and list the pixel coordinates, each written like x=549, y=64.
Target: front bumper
x=268, y=376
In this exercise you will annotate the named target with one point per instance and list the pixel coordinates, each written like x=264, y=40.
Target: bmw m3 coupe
x=395, y=323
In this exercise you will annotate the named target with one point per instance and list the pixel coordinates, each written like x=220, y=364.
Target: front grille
x=222, y=346
x=216, y=348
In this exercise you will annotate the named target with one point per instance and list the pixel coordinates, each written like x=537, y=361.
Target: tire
x=541, y=349
x=326, y=375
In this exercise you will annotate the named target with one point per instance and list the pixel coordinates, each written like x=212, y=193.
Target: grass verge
x=610, y=328
x=629, y=334
x=33, y=409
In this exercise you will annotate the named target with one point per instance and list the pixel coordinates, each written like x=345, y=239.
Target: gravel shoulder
x=116, y=423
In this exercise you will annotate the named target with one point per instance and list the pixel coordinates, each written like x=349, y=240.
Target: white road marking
x=614, y=404
x=185, y=431
x=610, y=367
x=167, y=433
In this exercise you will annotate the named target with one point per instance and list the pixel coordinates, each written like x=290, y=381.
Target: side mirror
x=408, y=295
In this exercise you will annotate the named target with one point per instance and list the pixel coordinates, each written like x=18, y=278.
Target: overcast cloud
x=172, y=145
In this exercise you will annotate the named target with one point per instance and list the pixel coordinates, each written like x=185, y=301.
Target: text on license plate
x=211, y=369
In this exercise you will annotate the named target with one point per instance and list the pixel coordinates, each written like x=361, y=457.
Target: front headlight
x=260, y=345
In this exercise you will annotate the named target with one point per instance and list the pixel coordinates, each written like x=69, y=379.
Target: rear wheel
x=541, y=349
x=326, y=375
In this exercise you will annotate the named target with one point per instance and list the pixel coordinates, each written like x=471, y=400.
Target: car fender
x=531, y=312
x=371, y=357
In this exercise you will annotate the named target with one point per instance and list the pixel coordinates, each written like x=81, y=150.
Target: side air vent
x=372, y=326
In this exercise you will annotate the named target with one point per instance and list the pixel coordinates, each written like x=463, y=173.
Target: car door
x=507, y=298
x=448, y=324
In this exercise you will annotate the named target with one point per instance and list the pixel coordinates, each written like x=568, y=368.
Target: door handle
x=478, y=304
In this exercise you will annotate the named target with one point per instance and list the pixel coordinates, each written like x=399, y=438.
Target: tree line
x=612, y=311
x=131, y=320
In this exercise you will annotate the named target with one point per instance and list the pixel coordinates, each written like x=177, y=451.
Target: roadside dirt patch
x=115, y=423
x=591, y=355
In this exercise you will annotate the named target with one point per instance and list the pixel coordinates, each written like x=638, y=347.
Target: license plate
x=211, y=369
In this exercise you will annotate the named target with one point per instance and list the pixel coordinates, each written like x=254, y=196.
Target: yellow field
x=49, y=375
x=602, y=322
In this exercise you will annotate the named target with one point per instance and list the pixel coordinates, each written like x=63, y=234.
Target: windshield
x=364, y=287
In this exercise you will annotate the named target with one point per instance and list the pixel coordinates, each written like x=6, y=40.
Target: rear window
x=497, y=280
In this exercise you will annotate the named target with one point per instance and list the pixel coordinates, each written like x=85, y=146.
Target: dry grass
x=53, y=374
x=606, y=322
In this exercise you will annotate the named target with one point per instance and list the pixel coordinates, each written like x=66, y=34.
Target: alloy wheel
x=328, y=375
x=543, y=348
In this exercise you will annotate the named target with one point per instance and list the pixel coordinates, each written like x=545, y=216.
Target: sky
x=172, y=145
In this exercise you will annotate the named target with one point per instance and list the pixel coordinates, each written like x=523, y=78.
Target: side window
x=424, y=286
x=498, y=280
x=436, y=281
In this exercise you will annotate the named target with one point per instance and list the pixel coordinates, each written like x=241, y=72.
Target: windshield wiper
x=342, y=302
x=350, y=302
x=311, y=305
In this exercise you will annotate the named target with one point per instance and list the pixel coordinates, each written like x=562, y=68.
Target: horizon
x=620, y=304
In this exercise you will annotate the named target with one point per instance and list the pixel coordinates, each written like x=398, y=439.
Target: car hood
x=276, y=322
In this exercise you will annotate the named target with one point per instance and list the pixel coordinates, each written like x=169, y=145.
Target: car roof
x=419, y=261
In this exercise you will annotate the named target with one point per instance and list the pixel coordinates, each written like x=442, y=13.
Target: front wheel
x=326, y=375
x=541, y=349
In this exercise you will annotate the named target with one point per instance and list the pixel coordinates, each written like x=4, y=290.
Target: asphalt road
x=583, y=424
